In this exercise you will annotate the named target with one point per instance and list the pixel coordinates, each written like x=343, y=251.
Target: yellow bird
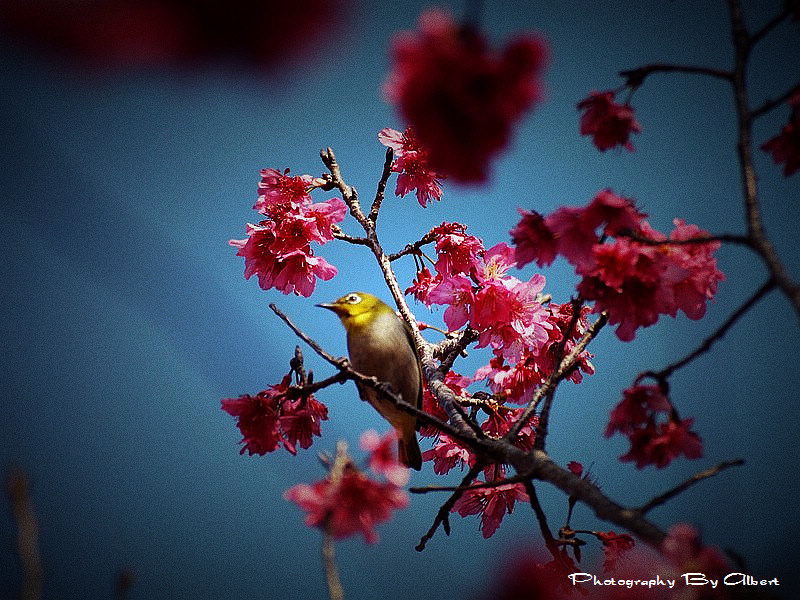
x=380, y=345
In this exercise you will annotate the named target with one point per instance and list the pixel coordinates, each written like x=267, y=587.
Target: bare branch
x=771, y=104
x=718, y=334
x=635, y=77
x=442, y=516
x=379, y=195
x=696, y=478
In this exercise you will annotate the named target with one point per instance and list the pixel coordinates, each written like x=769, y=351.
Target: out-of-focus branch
x=780, y=100
x=337, y=468
x=123, y=584
x=743, y=44
x=27, y=534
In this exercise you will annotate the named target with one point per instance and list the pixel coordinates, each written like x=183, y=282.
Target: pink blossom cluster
x=278, y=249
x=271, y=418
x=411, y=162
x=656, y=434
x=475, y=286
x=628, y=269
x=610, y=124
x=785, y=147
x=462, y=97
x=491, y=502
x=517, y=381
x=351, y=502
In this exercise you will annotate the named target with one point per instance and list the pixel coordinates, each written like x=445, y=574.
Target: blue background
x=125, y=317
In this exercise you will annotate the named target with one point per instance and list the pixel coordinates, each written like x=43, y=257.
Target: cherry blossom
x=271, y=418
x=610, y=124
x=411, y=162
x=785, y=147
x=462, y=97
x=349, y=504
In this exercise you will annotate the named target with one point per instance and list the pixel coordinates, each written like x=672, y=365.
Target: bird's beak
x=329, y=306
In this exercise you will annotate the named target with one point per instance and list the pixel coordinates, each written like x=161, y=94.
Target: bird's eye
x=353, y=299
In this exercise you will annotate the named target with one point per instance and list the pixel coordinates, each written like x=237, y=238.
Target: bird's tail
x=408, y=451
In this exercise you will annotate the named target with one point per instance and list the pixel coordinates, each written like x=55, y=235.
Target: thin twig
x=561, y=370
x=718, y=334
x=696, y=478
x=771, y=104
x=379, y=195
x=442, y=516
x=426, y=239
x=770, y=25
x=475, y=486
x=350, y=239
x=635, y=77
x=336, y=362
x=541, y=517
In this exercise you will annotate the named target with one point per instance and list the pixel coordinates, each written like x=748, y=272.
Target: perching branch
x=534, y=464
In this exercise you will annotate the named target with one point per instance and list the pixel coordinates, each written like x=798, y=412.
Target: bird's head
x=357, y=309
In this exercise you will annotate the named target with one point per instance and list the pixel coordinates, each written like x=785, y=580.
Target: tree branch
x=637, y=76
x=696, y=478
x=718, y=334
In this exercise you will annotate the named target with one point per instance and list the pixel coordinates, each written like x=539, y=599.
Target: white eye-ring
x=353, y=299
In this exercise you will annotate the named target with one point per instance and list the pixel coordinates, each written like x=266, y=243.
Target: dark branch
x=696, y=478
x=635, y=77
x=379, y=195
x=442, y=516
x=717, y=335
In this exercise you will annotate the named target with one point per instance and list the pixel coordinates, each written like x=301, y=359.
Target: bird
x=380, y=345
